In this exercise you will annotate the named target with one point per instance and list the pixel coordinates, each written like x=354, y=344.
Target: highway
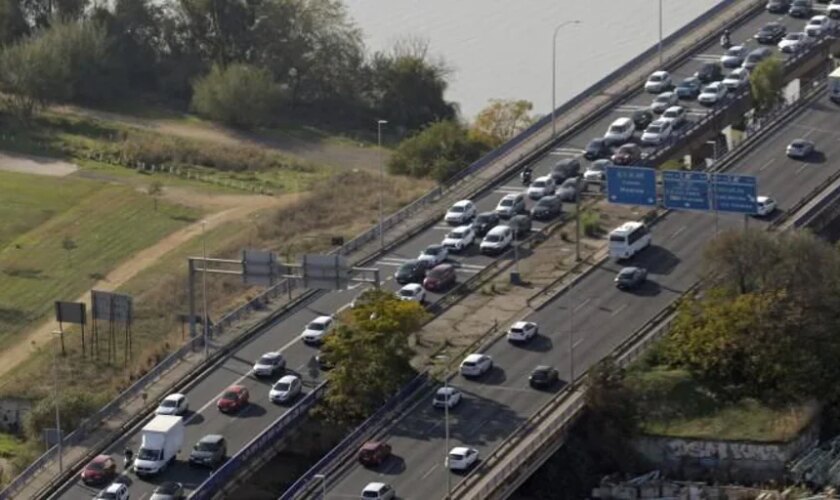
x=596, y=315
x=500, y=395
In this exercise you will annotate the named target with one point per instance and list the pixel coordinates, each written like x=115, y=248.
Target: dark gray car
x=547, y=208
x=568, y=190
x=564, y=169
x=209, y=451
x=630, y=277
x=521, y=225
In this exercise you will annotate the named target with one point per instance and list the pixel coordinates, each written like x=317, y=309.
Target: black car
x=597, y=148
x=627, y=154
x=689, y=88
x=521, y=225
x=778, y=6
x=564, y=169
x=771, y=33
x=413, y=271
x=543, y=376
x=484, y=222
x=709, y=72
x=630, y=277
x=209, y=451
x=547, y=207
x=642, y=118
x=801, y=8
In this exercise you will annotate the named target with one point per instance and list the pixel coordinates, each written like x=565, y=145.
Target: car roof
x=447, y=390
x=211, y=438
x=442, y=267
x=168, y=487
x=763, y=199
x=675, y=109
x=660, y=122
x=100, y=458
x=176, y=396
x=474, y=357
x=628, y=270
x=659, y=73
x=545, y=178
x=511, y=196
x=288, y=378
x=521, y=324
x=543, y=368
x=460, y=450
x=501, y=228
x=273, y=354
x=114, y=487
x=412, y=287
x=621, y=121
x=435, y=246
x=462, y=203
x=236, y=388
x=372, y=445
x=375, y=486
x=322, y=319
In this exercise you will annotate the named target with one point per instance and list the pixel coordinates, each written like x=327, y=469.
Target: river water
x=502, y=48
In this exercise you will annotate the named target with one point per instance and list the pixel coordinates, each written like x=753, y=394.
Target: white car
x=446, y=396
x=510, y=205
x=459, y=238
x=794, y=42
x=476, y=365
x=737, y=79
x=174, y=404
x=462, y=458
x=675, y=114
x=434, y=255
x=413, y=292
x=596, y=171
x=285, y=389
x=114, y=491
x=766, y=205
x=657, y=132
x=542, y=186
x=663, y=101
x=317, y=329
x=819, y=26
x=834, y=9
x=378, y=491
x=734, y=56
x=712, y=94
x=522, y=331
x=658, y=81
x=269, y=364
x=460, y=213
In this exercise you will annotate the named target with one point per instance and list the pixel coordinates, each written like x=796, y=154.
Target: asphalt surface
x=497, y=403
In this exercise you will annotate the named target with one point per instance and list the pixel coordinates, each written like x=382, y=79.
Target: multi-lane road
x=283, y=334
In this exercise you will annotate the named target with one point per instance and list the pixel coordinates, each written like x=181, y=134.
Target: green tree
x=408, y=88
x=75, y=406
x=501, y=120
x=766, y=84
x=239, y=95
x=372, y=356
x=439, y=151
x=13, y=24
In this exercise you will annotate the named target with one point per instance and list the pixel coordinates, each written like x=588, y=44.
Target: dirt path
x=36, y=165
x=314, y=150
x=231, y=207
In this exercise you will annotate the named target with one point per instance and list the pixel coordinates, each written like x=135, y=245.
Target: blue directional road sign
x=686, y=190
x=631, y=185
x=734, y=193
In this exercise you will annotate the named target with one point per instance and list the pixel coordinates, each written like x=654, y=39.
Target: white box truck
x=834, y=85
x=160, y=442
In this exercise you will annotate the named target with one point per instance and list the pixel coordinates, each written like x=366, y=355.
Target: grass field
x=674, y=404
x=68, y=233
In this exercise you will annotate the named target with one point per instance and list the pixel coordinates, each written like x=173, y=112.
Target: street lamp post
x=379, y=124
x=57, y=410
x=323, y=480
x=446, y=426
x=204, y=290
x=554, y=73
x=660, y=34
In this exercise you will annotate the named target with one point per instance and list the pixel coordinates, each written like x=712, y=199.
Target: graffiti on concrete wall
x=680, y=448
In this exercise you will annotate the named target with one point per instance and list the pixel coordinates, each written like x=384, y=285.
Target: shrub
x=591, y=223
x=239, y=95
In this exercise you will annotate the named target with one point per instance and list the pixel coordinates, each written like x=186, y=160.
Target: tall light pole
x=660, y=34
x=554, y=73
x=57, y=410
x=323, y=480
x=446, y=426
x=204, y=290
x=379, y=124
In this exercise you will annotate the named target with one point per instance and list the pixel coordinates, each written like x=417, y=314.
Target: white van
x=497, y=240
x=834, y=86
x=620, y=131
x=629, y=239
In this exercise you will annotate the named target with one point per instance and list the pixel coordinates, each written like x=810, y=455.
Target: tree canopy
x=766, y=84
x=501, y=120
x=238, y=95
x=371, y=354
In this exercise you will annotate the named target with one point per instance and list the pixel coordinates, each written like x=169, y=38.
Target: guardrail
x=353, y=440
x=214, y=484
x=626, y=353
x=399, y=216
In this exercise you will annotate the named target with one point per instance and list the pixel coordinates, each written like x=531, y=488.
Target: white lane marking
x=802, y=167
x=761, y=168
x=353, y=287
x=392, y=261
x=442, y=227
x=619, y=309
x=577, y=343
x=478, y=427
x=677, y=233
x=238, y=380
x=458, y=265
x=494, y=388
x=509, y=189
x=816, y=129
x=428, y=472
x=585, y=301
x=707, y=57
x=566, y=152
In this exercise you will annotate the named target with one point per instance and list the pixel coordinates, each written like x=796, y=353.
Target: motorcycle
x=725, y=42
x=526, y=177
x=128, y=459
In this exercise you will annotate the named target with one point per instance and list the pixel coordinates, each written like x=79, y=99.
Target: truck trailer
x=160, y=441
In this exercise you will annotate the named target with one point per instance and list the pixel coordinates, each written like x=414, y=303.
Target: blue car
x=689, y=88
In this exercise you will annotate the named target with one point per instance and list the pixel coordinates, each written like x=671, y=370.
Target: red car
x=373, y=453
x=102, y=469
x=440, y=277
x=233, y=399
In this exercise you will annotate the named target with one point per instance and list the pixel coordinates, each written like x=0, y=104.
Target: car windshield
x=816, y=22
x=626, y=273
x=432, y=251
x=370, y=494
x=671, y=114
x=407, y=268
x=800, y=3
x=663, y=98
x=734, y=51
x=206, y=446
x=268, y=360
x=406, y=293
x=96, y=466
x=507, y=202
x=539, y=374
x=456, y=235
x=516, y=329
x=282, y=386
x=457, y=208
x=544, y=202
x=492, y=238
x=656, y=78
x=148, y=454
x=597, y=143
x=655, y=129
x=469, y=363
x=315, y=326
x=456, y=456
x=438, y=273
x=230, y=395
x=793, y=36
x=484, y=218
x=539, y=184
x=169, y=403
x=597, y=167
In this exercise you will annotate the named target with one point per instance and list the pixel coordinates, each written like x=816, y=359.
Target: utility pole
x=660, y=34
x=57, y=410
x=577, y=219
x=554, y=74
x=379, y=124
x=204, y=290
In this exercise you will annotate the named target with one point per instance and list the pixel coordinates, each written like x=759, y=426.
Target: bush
x=239, y=95
x=591, y=223
x=439, y=151
x=75, y=405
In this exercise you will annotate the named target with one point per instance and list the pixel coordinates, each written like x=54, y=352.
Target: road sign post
x=631, y=185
